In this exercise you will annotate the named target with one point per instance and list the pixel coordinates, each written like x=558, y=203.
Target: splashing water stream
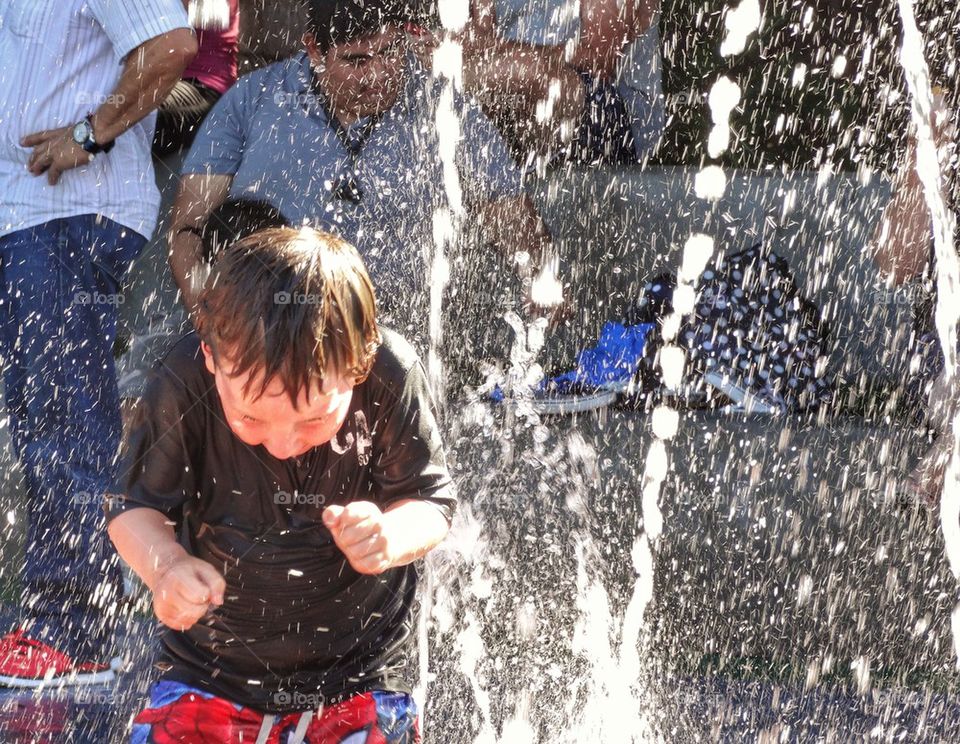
x=947, y=270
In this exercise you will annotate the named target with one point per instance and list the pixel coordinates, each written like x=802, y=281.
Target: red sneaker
x=25, y=662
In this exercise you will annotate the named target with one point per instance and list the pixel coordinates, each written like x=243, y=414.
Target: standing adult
x=79, y=81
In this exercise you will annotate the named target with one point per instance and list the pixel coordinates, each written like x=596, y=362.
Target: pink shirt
x=216, y=62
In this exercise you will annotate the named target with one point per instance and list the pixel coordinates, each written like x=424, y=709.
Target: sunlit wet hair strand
x=290, y=304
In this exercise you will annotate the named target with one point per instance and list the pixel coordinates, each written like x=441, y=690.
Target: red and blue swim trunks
x=180, y=714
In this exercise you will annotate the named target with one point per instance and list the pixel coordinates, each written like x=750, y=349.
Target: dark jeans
x=59, y=285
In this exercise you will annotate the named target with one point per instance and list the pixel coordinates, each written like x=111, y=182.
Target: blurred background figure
x=207, y=77
x=905, y=252
x=344, y=136
x=576, y=80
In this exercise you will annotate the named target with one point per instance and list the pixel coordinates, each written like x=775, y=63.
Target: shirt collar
x=299, y=74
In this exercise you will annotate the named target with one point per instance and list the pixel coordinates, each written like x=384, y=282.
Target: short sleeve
x=486, y=163
x=155, y=468
x=130, y=24
x=408, y=456
x=220, y=144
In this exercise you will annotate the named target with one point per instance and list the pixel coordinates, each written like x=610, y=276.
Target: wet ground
x=689, y=709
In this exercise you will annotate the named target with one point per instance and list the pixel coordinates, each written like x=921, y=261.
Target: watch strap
x=91, y=145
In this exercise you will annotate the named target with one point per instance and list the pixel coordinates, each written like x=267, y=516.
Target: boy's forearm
x=418, y=526
x=145, y=540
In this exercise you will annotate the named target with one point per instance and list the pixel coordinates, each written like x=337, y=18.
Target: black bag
x=752, y=334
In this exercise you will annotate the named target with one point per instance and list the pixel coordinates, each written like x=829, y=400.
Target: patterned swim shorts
x=179, y=714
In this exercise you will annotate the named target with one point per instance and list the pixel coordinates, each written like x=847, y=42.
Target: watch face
x=82, y=132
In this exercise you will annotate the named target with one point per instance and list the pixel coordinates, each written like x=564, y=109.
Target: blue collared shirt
x=272, y=134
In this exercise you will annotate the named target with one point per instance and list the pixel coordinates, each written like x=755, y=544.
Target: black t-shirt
x=296, y=617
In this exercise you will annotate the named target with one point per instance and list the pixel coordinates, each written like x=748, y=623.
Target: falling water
x=447, y=64
x=209, y=14
x=947, y=268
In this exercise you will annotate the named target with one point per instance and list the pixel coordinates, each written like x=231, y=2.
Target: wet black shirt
x=296, y=617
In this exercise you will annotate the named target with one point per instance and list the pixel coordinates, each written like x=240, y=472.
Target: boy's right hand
x=186, y=591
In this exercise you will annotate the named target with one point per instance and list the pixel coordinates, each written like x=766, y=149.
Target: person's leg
x=60, y=282
x=925, y=480
x=931, y=399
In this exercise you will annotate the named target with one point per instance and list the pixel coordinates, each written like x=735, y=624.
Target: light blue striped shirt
x=59, y=61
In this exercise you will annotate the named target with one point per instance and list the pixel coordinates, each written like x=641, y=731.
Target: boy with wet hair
x=285, y=473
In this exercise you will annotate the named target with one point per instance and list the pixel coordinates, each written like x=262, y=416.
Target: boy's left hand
x=360, y=531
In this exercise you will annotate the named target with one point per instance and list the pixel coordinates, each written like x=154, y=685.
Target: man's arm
x=149, y=74
x=197, y=197
x=902, y=240
x=513, y=226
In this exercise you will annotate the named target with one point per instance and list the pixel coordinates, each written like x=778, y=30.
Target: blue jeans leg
x=60, y=282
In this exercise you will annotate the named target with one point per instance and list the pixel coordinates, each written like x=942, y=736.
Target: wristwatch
x=83, y=136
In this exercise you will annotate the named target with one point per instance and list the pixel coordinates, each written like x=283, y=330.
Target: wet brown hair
x=293, y=304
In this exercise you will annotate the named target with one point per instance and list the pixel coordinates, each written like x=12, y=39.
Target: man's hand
x=360, y=531
x=54, y=151
x=186, y=591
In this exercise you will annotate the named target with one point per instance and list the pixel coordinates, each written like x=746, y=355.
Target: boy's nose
x=283, y=449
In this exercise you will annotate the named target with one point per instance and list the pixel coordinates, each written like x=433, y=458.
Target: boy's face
x=272, y=420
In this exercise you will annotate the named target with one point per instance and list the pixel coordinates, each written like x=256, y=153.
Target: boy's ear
x=208, y=357
x=317, y=58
